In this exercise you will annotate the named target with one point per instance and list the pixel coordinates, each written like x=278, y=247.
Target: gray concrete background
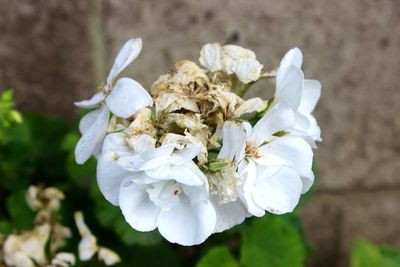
x=53, y=52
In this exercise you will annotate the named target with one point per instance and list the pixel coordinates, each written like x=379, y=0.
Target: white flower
x=124, y=98
x=301, y=95
x=158, y=187
x=258, y=152
x=182, y=212
x=231, y=59
x=169, y=192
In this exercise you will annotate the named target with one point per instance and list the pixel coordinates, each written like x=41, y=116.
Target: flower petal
x=247, y=70
x=279, y=118
x=88, y=120
x=307, y=182
x=211, y=57
x=292, y=57
x=248, y=178
x=289, y=151
x=277, y=189
x=234, y=138
x=93, y=137
x=93, y=102
x=310, y=95
x=137, y=208
x=187, y=174
x=109, y=174
x=228, y=214
x=289, y=85
x=127, y=97
x=128, y=52
x=187, y=224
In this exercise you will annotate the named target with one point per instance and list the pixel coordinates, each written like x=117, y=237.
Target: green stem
x=244, y=89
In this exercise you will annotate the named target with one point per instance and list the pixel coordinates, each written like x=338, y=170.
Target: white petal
x=93, y=102
x=116, y=143
x=277, y=190
x=229, y=214
x=289, y=151
x=149, y=159
x=88, y=120
x=87, y=247
x=128, y=52
x=164, y=195
x=310, y=95
x=237, y=52
x=248, y=178
x=127, y=97
x=292, y=57
x=289, y=85
x=307, y=182
x=110, y=176
x=138, y=210
x=279, y=118
x=189, y=152
x=188, y=174
x=211, y=56
x=311, y=128
x=234, y=138
x=247, y=70
x=187, y=224
x=108, y=256
x=93, y=137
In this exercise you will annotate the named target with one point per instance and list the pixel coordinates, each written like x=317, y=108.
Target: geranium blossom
x=194, y=158
x=123, y=98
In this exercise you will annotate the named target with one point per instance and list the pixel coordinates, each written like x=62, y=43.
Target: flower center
x=252, y=151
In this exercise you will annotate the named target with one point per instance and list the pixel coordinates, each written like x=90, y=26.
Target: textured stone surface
x=333, y=221
x=44, y=53
x=53, y=52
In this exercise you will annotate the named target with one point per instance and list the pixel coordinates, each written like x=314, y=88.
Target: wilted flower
x=231, y=59
x=197, y=158
x=88, y=245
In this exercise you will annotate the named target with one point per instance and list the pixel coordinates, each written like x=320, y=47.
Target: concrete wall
x=54, y=52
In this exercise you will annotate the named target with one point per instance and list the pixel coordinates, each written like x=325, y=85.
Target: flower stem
x=244, y=89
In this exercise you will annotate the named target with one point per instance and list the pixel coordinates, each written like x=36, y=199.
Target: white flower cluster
x=193, y=158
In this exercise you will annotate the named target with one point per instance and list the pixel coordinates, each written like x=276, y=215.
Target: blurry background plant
x=40, y=151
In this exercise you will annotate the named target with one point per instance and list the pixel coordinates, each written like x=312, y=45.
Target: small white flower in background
x=88, y=245
x=63, y=259
x=231, y=59
x=195, y=158
x=123, y=99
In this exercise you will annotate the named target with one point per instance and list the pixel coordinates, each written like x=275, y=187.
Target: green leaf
x=391, y=256
x=218, y=257
x=5, y=227
x=367, y=254
x=217, y=165
x=273, y=241
x=21, y=214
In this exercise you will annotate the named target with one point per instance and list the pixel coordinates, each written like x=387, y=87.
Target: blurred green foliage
x=367, y=254
x=40, y=151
